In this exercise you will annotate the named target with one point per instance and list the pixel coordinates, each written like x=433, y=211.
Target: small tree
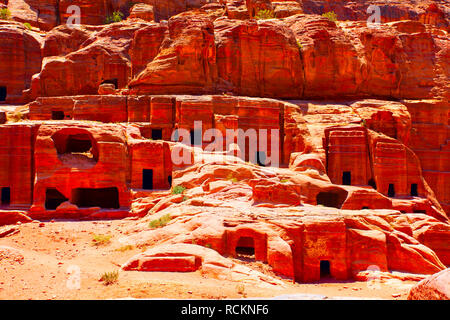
x=110, y=277
x=161, y=222
x=117, y=16
x=178, y=189
x=5, y=14
x=330, y=16
x=264, y=15
x=27, y=25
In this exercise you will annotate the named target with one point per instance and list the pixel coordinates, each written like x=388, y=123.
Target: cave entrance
x=156, y=134
x=6, y=196
x=247, y=149
x=78, y=143
x=105, y=198
x=261, y=158
x=325, y=268
x=3, y=94
x=147, y=179
x=391, y=190
x=420, y=211
x=53, y=198
x=114, y=81
x=73, y=145
x=372, y=183
x=347, y=178
x=169, y=179
x=245, y=248
x=414, y=192
x=58, y=115
x=332, y=198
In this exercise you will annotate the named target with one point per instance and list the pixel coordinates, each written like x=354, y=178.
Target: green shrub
x=284, y=180
x=117, y=16
x=330, y=16
x=231, y=178
x=101, y=239
x=299, y=44
x=161, y=222
x=265, y=14
x=27, y=25
x=5, y=14
x=178, y=189
x=16, y=116
x=110, y=277
x=125, y=248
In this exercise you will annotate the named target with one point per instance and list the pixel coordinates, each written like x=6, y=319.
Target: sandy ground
x=58, y=254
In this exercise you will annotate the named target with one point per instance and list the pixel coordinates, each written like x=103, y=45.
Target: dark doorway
x=420, y=211
x=112, y=81
x=53, y=198
x=391, y=190
x=169, y=179
x=247, y=149
x=325, y=270
x=6, y=196
x=147, y=179
x=196, y=138
x=245, y=248
x=414, y=192
x=333, y=199
x=261, y=158
x=156, y=134
x=3, y=93
x=105, y=198
x=347, y=178
x=365, y=208
x=79, y=143
x=57, y=115
x=372, y=183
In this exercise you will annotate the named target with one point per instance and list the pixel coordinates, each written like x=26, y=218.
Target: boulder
x=435, y=287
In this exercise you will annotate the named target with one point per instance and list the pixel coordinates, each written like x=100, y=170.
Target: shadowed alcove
x=332, y=198
x=105, y=198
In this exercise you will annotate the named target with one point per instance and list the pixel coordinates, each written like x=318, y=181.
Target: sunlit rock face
x=345, y=159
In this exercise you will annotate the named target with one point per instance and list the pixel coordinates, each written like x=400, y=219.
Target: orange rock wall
x=347, y=151
x=16, y=162
x=151, y=155
x=20, y=54
x=342, y=242
x=430, y=136
x=109, y=169
x=167, y=113
x=36, y=158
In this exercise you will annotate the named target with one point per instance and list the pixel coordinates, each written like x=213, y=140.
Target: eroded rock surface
x=357, y=174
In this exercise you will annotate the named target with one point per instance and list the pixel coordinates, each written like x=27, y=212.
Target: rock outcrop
x=435, y=287
x=21, y=58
